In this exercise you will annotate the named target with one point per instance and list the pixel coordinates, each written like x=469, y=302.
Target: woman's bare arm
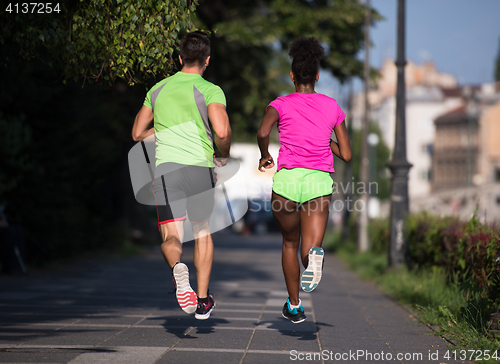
x=270, y=118
x=342, y=148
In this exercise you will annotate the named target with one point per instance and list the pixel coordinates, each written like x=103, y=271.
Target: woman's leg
x=287, y=218
x=313, y=221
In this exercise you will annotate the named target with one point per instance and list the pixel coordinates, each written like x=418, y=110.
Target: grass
x=453, y=312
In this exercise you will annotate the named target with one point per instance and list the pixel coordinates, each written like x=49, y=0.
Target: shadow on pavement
x=182, y=326
x=302, y=331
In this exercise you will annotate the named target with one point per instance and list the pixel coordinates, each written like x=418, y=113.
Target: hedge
x=468, y=251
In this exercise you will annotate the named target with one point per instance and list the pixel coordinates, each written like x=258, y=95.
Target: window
x=426, y=174
x=427, y=148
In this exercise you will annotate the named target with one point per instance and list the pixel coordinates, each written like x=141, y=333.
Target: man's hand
x=219, y=160
x=266, y=162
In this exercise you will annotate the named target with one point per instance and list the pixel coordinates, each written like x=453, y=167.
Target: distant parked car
x=259, y=217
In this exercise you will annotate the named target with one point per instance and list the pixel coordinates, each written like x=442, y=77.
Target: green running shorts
x=302, y=184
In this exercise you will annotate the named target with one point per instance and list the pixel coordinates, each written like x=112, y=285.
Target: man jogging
x=185, y=107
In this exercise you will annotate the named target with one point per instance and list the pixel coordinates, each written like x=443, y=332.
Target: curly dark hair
x=306, y=54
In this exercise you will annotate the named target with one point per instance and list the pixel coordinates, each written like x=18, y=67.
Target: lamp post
x=348, y=168
x=364, y=165
x=373, y=141
x=399, y=166
x=373, y=201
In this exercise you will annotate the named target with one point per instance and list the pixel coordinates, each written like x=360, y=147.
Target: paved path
x=119, y=312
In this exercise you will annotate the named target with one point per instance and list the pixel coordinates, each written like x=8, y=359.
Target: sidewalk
x=120, y=312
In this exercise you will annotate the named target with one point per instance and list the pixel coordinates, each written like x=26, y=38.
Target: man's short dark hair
x=195, y=48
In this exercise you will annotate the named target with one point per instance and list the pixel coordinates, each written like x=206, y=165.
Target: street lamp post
x=373, y=201
x=348, y=168
x=364, y=165
x=373, y=141
x=399, y=166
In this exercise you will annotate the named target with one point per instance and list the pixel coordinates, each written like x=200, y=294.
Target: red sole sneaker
x=186, y=296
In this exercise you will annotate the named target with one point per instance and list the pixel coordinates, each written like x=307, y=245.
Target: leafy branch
x=131, y=40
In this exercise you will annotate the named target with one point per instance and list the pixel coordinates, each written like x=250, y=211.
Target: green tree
x=101, y=39
x=249, y=50
x=63, y=170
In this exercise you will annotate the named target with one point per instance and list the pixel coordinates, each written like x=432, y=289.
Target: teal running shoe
x=296, y=315
x=312, y=275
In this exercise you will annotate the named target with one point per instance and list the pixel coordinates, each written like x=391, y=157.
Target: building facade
x=455, y=159
x=429, y=94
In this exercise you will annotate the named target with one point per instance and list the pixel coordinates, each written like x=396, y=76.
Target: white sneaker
x=312, y=275
x=186, y=296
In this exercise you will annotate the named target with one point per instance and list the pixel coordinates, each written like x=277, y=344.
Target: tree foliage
x=250, y=47
x=63, y=174
x=339, y=25
x=103, y=39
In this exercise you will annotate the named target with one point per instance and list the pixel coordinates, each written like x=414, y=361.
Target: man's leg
x=172, y=234
x=200, y=204
x=171, y=248
x=203, y=256
x=171, y=210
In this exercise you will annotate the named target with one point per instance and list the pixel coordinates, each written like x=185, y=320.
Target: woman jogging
x=302, y=186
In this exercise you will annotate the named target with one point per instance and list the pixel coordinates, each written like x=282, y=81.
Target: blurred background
x=66, y=113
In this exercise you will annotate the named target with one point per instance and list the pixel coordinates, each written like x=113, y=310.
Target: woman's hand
x=266, y=162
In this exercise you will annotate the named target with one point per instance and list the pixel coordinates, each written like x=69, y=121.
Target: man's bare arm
x=220, y=122
x=141, y=130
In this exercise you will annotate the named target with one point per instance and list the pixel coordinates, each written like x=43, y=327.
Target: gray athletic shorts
x=181, y=189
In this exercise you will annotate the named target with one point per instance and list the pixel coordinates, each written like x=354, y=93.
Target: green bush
x=468, y=252
x=378, y=233
x=474, y=254
x=426, y=238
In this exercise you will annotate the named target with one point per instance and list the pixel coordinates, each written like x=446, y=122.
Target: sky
x=460, y=36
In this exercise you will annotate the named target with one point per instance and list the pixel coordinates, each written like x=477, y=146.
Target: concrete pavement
x=119, y=311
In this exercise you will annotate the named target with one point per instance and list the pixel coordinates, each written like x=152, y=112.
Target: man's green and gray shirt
x=182, y=129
